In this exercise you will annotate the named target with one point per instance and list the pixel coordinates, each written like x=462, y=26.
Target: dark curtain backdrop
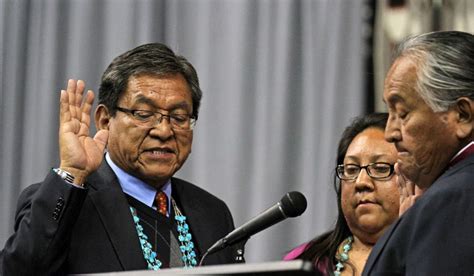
x=281, y=79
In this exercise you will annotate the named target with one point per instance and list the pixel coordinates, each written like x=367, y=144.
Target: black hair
x=152, y=58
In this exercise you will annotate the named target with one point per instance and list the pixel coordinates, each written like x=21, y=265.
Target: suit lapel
x=113, y=210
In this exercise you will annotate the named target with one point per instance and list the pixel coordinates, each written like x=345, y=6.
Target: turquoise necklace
x=185, y=239
x=344, y=256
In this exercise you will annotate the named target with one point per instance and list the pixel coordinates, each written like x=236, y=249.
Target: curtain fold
x=280, y=80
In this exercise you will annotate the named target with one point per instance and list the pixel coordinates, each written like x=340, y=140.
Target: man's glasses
x=379, y=171
x=147, y=118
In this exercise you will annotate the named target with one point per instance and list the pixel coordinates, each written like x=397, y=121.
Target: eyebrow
x=374, y=157
x=378, y=156
x=140, y=99
x=351, y=158
x=394, y=99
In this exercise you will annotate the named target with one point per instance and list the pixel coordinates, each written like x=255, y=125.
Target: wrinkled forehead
x=155, y=90
x=401, y=80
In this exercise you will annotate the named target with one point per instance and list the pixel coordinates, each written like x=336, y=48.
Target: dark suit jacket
x=436, y=235
x=62, y=229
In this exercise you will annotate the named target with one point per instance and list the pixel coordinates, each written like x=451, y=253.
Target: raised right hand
x=79, y=153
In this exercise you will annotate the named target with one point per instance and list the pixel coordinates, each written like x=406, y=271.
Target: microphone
x=292, y=204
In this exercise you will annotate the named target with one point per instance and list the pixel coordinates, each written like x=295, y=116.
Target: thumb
x=101, y=138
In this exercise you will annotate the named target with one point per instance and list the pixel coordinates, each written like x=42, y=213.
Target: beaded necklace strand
x=344, y=256
x=185, y=239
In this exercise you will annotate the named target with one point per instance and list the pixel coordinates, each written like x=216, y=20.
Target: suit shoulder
x=450, y=194
x=458, y=177
x=188, y=188
x=452, y=187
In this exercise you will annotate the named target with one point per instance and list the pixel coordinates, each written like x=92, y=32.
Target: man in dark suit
x=122, y=210
x=429, y=91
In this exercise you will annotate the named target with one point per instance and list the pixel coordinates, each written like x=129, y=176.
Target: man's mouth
x=403, y=153
x=401, y=150
x=160, y=151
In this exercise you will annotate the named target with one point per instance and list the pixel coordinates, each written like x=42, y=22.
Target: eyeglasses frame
x=192, y=119
x=392, y=170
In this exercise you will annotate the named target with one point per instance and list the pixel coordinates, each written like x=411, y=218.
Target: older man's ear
x=464, y=108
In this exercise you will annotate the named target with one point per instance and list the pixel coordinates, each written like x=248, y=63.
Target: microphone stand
x=239, y=258
x=291, y=205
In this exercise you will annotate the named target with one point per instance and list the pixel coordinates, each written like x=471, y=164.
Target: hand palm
x=80, y=154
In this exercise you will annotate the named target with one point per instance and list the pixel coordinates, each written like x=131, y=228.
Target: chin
x=408, y=168
x=410, y=172
x=370, y=224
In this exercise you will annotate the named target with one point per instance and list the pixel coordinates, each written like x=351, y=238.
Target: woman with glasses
x=367, y=199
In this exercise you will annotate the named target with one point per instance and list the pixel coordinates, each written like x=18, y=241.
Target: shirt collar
x=463, y=153
x=137, y=188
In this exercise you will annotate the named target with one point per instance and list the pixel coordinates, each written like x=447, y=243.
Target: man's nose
x=162, y=128
x=392, y=131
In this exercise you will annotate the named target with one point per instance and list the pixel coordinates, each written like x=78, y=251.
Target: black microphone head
x=293, y=204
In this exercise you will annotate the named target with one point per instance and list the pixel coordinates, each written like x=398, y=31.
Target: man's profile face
x=154, y=153
x=423, y=138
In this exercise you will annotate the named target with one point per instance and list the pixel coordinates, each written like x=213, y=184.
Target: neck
x=462, y=151
x=359, y=255
x=362, y=246
x=430, y=172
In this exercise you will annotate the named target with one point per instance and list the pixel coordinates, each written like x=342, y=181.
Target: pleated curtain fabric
x=280, y=79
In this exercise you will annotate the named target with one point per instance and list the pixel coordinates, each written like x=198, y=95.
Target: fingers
x=85, y=113
x=76, y=102
x=418, y=191
x=87, y=105
x=71, y=89
x=75, y=90
x=72, y=99
x=401, y=181
x=409, y=192
x=408, y=185
x=64, y=114
x=79, y=92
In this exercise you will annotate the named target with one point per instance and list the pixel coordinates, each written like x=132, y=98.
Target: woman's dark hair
x=322, y=249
